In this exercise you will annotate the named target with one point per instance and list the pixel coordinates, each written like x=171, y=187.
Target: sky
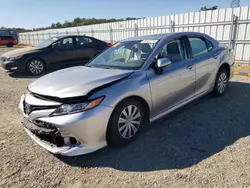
x=31, y=14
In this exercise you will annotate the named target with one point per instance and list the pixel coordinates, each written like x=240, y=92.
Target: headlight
x=76, y=108
x=13, y=58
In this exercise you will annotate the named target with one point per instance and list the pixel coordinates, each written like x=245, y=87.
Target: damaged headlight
x=76, y=108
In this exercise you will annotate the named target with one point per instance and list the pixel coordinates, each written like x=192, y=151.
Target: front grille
x=55, y=140
x=28, y=108
x=51, y=140
x=45, y=125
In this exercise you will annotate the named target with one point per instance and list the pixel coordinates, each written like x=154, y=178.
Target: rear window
x=83, y=41
x=209, y=45
x=198, y=46
x=4, y=33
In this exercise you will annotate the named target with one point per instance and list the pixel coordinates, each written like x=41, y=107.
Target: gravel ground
x=205, y=144
x=245, y=68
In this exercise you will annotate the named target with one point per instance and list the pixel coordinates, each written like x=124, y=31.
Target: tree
x=67, y=24
x=58, y=25
x=206, y=9
x=77, y=21
x=53, y=25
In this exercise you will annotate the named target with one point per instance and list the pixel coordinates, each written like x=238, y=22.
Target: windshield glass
x=47, y=42
x=125, y=55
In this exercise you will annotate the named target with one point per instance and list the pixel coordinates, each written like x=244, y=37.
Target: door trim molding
x=178, y=106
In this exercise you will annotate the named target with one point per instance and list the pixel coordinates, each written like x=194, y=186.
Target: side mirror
x=163, y=62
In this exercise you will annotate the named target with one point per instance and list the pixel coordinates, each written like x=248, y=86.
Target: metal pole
x=111, y=34
x=231, y=31
x=172, y=29
x=136, y=30
x=29, y=38
x=235, y=32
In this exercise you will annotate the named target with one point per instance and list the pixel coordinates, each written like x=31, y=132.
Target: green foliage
x=76, y=22
x=206, y=9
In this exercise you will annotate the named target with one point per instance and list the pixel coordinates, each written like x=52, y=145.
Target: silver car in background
x=79, y=110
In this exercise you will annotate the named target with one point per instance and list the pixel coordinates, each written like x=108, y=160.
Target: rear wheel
x=10, y=44
x=35, y=66
x=221, y=83
x=126, y=122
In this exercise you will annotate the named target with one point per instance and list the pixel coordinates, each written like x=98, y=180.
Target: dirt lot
x=205, y=144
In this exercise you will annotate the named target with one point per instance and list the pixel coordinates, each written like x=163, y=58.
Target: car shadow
x=182, y=139
x=29, y=76
x=25, y=75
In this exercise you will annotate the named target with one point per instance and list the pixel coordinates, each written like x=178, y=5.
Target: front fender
x=136, y=84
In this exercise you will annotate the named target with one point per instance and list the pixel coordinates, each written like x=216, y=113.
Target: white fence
x=230, y=26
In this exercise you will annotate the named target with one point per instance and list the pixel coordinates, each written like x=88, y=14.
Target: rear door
x=202, y=57
x=86, y=48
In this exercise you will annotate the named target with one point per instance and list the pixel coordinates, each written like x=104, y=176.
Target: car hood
x=20, y=51
x=75, y=81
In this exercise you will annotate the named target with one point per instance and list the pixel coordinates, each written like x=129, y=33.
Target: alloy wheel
x=129, y=121
x=222, y=82
x=36, y=67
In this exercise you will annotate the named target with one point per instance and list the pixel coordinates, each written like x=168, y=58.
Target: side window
x=82, y=41
x=209, y=45
x=66, y=43
x=198, y=46
x=174, y=51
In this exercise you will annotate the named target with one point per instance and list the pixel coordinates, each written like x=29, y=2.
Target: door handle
x=190, y=67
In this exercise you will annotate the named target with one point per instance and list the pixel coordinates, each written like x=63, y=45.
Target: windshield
x=129, y=55
x=47, y=42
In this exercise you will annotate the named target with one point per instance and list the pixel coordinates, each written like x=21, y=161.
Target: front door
x=176, y=83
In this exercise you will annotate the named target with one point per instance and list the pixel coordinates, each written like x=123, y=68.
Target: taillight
x=108, y=44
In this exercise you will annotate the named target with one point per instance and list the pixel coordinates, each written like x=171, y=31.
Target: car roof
x=62, y=36
x=164, y=35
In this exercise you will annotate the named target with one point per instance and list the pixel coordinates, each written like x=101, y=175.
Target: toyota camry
x=79, y=110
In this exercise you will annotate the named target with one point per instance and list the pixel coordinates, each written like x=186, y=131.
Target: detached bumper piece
x=49, y=134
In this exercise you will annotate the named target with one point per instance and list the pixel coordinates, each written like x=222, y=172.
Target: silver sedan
x=79, y=110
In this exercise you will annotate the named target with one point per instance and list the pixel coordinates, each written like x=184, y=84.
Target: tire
x=35, y=66
x=10, y=44
x=221, y=83
x=127, y=131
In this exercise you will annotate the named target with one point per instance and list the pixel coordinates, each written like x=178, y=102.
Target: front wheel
x=36, y=66
x=126, y=122
x=10, y=44
x=221, y=83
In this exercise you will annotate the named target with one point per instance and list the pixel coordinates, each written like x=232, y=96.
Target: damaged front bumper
x=68, y=135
